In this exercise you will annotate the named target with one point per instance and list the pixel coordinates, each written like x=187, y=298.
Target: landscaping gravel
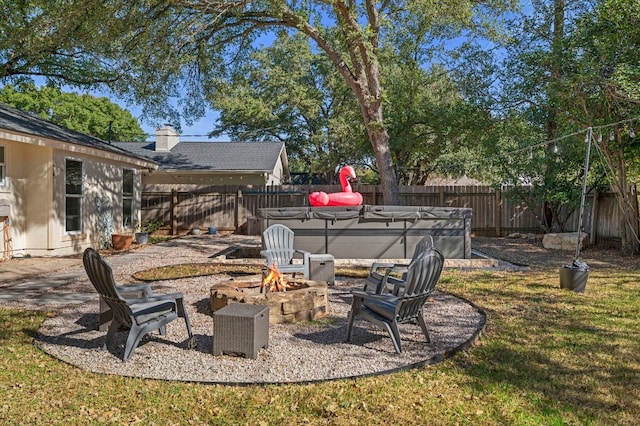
x=302, y=352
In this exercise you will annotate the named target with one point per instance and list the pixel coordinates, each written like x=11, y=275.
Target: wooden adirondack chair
x=140, y=315
x=389, y=310
x=384, y=282
x=278, y=248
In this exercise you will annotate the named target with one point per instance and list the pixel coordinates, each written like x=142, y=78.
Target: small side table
x=241, y=328
x=321, y=268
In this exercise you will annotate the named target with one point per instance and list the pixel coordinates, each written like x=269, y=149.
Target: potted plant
x=121, y=240
x=141, y=236
x=144, y=229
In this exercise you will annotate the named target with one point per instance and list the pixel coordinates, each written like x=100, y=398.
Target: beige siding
x=37, y=195
x=29, y=174
x=35, y=191
x=276, y=178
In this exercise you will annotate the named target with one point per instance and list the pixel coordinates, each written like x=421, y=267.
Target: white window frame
x=3, y=166
x=127, y=221
x=79, y=196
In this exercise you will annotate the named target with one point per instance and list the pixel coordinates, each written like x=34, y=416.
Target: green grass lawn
x=548, y=356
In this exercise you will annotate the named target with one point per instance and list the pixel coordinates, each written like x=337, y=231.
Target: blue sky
x=197, y=132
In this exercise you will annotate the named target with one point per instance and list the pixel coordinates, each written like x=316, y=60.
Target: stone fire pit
x=307, y=300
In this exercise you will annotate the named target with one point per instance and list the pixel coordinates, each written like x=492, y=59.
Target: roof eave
x=124, y=157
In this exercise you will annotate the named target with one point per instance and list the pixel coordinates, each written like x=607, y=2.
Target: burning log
x=274, y=280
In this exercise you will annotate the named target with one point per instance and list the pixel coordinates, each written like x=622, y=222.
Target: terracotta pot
x=121, y=241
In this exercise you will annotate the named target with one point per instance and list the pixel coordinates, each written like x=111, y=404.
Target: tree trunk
x=629, y=216
x=380, y=143
x=628, y=231
x=358, y=65
x=379, y=138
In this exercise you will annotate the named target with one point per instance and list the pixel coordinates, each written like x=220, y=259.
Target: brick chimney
x=166, y=138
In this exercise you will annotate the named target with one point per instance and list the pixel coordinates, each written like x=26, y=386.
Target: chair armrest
x=397, y=286
x=396, y=282
x=304, y=253
x=268, y=255
x=156, y=298
x=372, y=296
x=177, y=297
x=387, y=280
x=378, y=265
x=135, y=288
x=391, y=267
x=376, y=277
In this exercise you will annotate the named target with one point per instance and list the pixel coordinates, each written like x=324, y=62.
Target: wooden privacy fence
x=182, y=207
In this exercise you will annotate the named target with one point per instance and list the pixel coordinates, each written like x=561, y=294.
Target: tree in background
x=604, y=87
x=153, y=52
x=61, y=41
x=289, y=93
x=87, y=114
x=571, y=66
x=526, y=104
x=175, y=48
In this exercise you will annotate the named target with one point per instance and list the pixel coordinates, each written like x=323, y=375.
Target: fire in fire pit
x=274, y=280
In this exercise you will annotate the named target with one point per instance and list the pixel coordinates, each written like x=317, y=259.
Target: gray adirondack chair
x=389, y=310
x=278, y=248
x=384, y=282
x=140, y=315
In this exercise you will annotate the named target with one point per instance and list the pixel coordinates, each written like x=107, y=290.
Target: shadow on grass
x=558, y=349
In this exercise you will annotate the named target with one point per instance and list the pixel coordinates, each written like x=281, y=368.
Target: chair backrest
x=424, y=272
x=422, y=276
x=423, y=245
x=101, y=276
x=278, y=240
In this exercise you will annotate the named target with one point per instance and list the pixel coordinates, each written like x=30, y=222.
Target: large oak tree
x=177, y=46
x=156, y=50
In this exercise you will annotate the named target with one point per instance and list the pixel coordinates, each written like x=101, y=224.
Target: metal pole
x=588, y=138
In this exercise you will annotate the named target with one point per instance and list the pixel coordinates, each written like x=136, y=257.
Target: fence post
x=636, y=213
x=236, y=212
x=593, y=228
x=174, y=212
x=498, y=212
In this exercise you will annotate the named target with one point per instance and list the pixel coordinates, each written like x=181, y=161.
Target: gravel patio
x=302, y=352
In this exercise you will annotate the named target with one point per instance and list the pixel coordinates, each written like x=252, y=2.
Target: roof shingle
x=19, y=121
x=211, y=156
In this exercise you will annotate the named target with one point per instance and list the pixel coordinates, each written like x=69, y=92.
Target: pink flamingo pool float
x=345, y=198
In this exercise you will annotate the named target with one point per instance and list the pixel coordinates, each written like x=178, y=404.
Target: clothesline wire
x=561, y=138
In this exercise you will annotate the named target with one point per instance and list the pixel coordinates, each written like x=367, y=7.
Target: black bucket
x=574, y=277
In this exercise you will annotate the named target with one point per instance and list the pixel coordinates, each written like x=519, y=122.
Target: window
x=127, y=198
x=3, y=174
x=73, y=195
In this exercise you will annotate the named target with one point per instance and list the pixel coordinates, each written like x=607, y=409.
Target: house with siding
x=211, y=163
x=62, y=191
